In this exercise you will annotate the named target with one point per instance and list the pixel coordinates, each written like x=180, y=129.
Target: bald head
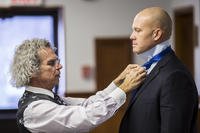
x=150, y=27
x=158, y=17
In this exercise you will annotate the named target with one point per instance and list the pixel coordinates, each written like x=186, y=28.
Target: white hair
x=26, y=61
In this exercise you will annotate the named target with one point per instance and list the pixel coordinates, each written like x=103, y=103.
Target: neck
x=41, y=84
x=155, y=50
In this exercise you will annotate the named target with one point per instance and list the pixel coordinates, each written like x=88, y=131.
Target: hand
x=122, y=76
x=133, y=79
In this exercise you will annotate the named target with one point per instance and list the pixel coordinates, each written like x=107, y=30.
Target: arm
x=118, y=81
x=79, y=101
x=44, y=116
x=178, y=104
x=129, y=79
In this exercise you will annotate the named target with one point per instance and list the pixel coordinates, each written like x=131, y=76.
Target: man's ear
x=157, y=34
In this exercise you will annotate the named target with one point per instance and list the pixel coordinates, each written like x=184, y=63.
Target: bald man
x=167, y=102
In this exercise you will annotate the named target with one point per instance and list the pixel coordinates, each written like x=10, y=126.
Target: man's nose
x=132, y=36
x=59, y=66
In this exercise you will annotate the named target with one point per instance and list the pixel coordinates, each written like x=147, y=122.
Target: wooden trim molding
x=81, y=95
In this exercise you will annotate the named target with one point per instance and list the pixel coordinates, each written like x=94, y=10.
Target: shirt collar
x=40, y=91
x=155, y=50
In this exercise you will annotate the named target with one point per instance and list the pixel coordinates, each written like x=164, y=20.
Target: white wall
x=85, y=20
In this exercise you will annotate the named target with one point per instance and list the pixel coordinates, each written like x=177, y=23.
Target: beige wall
x=85, y=20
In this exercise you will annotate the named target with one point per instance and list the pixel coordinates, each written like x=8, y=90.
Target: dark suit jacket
x=167, y=102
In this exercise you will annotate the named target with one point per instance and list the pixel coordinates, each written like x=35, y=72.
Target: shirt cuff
x=119, y=95
x=111, y=87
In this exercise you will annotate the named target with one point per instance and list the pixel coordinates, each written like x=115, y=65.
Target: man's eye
x=137, y=30
x=51, y=63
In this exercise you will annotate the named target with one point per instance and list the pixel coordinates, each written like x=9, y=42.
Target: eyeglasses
x=53, y=62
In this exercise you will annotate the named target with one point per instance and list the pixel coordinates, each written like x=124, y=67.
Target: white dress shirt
x=80, y=115
x=154, y=51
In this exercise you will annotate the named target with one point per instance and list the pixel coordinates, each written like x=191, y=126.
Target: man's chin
x=136, y=51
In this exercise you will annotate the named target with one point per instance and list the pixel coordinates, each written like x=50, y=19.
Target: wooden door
x=112, y=56
x=184, y=37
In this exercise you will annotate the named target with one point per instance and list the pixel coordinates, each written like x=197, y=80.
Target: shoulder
x=174, y=67
x=39, y=108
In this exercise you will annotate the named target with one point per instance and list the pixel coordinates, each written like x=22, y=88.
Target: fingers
x=135, y=76
x=142, y=70
x=135, y=69
x=127, y=70
x=131, y=67
x=141, y=75
x=138, y=70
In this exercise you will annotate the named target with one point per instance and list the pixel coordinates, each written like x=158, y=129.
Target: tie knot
x=59, y=100
x=148, y=64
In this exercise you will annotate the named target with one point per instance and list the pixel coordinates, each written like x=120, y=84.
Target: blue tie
x=148, y=64
x=156, y=58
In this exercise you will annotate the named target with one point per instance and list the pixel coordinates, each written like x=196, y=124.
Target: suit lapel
x=156, y=70
x=148, y=80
